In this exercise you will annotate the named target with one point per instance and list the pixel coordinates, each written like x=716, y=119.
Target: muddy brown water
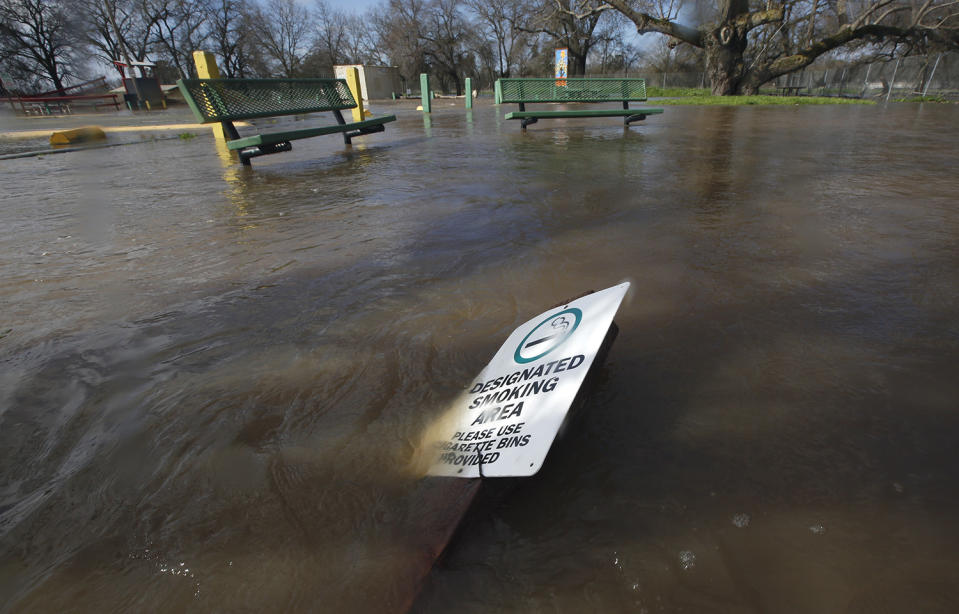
x=213, y=381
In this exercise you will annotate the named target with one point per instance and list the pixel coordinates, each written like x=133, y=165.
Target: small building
x=376, y=82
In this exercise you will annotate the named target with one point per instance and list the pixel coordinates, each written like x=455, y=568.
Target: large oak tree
x=749, y=43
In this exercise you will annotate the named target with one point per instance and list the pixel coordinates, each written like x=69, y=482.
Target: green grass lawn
x=936, y=99
x=676, y=92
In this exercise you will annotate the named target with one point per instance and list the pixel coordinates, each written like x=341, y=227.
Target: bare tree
x=446, y=35
x=179, y=26
x=341, y=38
x=399, y=29
x=135, y=30
x=284, y=28
x=500, y=21
x=570, y=23
x=39, y=38
x=359, y=44
x=610, y=52
x=15, y=76
x=232, y=38
x=332, y=30
x=749, y=44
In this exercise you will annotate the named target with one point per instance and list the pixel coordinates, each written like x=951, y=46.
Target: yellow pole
x=206, y=68
x=353, y=81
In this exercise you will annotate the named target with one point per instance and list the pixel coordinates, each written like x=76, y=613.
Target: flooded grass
x=702, y=96
x=655, y=91
x=764, y=99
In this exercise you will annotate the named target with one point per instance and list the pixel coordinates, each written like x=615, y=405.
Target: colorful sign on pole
x=505, y=423
x=562, y=64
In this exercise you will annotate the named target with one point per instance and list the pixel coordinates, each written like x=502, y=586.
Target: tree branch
x=808, y=55
x=542, y=30
x=647, y=23
x=644, y=22
x=587, y=11
x=755, y=19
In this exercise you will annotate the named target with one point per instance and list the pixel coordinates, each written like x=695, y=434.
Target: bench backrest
x=214, y=100
x=571, y=90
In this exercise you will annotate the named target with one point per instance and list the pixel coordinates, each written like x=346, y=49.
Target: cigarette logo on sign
x=547, y=335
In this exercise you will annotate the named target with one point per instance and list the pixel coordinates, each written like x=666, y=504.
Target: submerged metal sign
x=508, y=419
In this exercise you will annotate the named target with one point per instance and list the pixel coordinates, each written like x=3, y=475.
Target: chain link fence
x=656, y=79
x=934, y=75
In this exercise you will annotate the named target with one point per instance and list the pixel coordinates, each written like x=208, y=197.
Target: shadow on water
x=772, y=431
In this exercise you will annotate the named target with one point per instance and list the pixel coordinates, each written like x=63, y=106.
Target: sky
x=352, y=6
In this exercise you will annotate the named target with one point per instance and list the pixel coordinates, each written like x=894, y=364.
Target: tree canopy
x=747, y=44
x=739, y=45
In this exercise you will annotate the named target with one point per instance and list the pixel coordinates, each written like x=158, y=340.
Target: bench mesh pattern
x=214, y=100
x=572, y=90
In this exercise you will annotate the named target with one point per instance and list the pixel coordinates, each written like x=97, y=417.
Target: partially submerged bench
x=229, y=100
x=525, y=91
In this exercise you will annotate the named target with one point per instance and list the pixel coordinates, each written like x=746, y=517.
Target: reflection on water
x=214, y=378
x=427, y=125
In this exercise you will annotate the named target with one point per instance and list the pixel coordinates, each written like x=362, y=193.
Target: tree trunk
x=724, y=49
x=57, y=82
x=577, y=64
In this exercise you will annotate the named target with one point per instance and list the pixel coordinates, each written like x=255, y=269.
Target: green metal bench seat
x=525, y=91
x=229, y=100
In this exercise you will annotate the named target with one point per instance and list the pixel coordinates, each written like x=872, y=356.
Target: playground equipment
x=48, y=105
x=87, y=87
x=145, y=87
x=65, y=100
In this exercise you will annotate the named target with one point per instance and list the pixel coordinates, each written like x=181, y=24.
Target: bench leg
x=347, y=138
x=368, y=130
x=633, y=118
x=526, y=121
x=263, y=150
x=230, y=131
x=231, y=134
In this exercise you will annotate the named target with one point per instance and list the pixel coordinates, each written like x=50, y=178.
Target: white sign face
x=506, y=422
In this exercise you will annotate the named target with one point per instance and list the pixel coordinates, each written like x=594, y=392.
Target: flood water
x=213, y=381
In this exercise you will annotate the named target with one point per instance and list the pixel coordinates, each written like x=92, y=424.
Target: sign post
x=425, y=92
x=206, y=68
x=505, y=423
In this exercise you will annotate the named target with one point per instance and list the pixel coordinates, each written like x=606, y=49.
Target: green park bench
x=525, y=91
x=228, y=100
